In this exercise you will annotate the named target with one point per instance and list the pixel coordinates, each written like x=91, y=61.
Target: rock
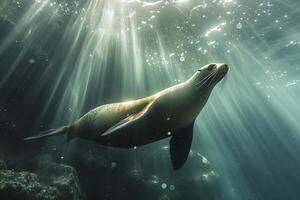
x=64, y=178
x=25, y=186
x=50, y=182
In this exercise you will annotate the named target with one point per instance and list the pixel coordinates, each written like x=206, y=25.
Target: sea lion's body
x=170, y=112
x=163, y=113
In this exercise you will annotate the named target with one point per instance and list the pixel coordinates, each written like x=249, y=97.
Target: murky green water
x=61, y=58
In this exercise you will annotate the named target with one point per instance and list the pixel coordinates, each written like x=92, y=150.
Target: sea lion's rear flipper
x=180, y=145
x=128, y=120
x=49, y=133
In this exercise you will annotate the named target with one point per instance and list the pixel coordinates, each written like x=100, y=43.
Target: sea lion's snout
x=209, y=75
x=222, y=70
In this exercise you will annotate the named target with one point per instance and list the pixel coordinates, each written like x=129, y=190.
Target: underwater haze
x=61, y=58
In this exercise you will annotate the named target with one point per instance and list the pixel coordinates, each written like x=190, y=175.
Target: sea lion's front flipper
x=127, y=121
x=180, y=145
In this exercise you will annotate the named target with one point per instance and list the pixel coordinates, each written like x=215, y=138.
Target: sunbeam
x=61, y=58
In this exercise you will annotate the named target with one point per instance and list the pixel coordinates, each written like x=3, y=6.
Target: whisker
x=212, y=80
x=204, y=81
x=205, y=78
x=201, y=83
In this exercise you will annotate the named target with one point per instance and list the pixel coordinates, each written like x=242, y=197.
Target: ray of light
x=108, y=51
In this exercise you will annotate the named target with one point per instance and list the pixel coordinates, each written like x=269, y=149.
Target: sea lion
x=168, y=113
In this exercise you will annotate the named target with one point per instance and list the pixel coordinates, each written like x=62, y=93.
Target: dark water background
x=59, y=59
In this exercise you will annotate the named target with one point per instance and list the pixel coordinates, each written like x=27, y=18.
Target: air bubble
x=239, y=25
x=172, y=187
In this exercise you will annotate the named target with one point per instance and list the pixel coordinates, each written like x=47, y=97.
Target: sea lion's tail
x=49, y=133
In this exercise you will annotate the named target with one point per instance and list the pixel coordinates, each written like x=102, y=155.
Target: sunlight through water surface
x=88, y=53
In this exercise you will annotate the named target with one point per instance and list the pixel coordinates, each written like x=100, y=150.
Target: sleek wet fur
x=168, y=113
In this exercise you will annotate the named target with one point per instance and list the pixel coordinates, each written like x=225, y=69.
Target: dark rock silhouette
x=50, y=182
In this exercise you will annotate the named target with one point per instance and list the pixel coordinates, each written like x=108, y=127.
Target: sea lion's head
x=209, y=75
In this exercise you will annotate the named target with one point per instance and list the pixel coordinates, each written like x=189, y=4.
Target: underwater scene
x=149, y=99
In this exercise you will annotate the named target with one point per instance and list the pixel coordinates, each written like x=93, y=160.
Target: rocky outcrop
x=50, y=182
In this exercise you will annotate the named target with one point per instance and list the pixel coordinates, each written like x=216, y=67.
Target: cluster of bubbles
x=180, y=33
x=165, y=186
x=202, y=26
